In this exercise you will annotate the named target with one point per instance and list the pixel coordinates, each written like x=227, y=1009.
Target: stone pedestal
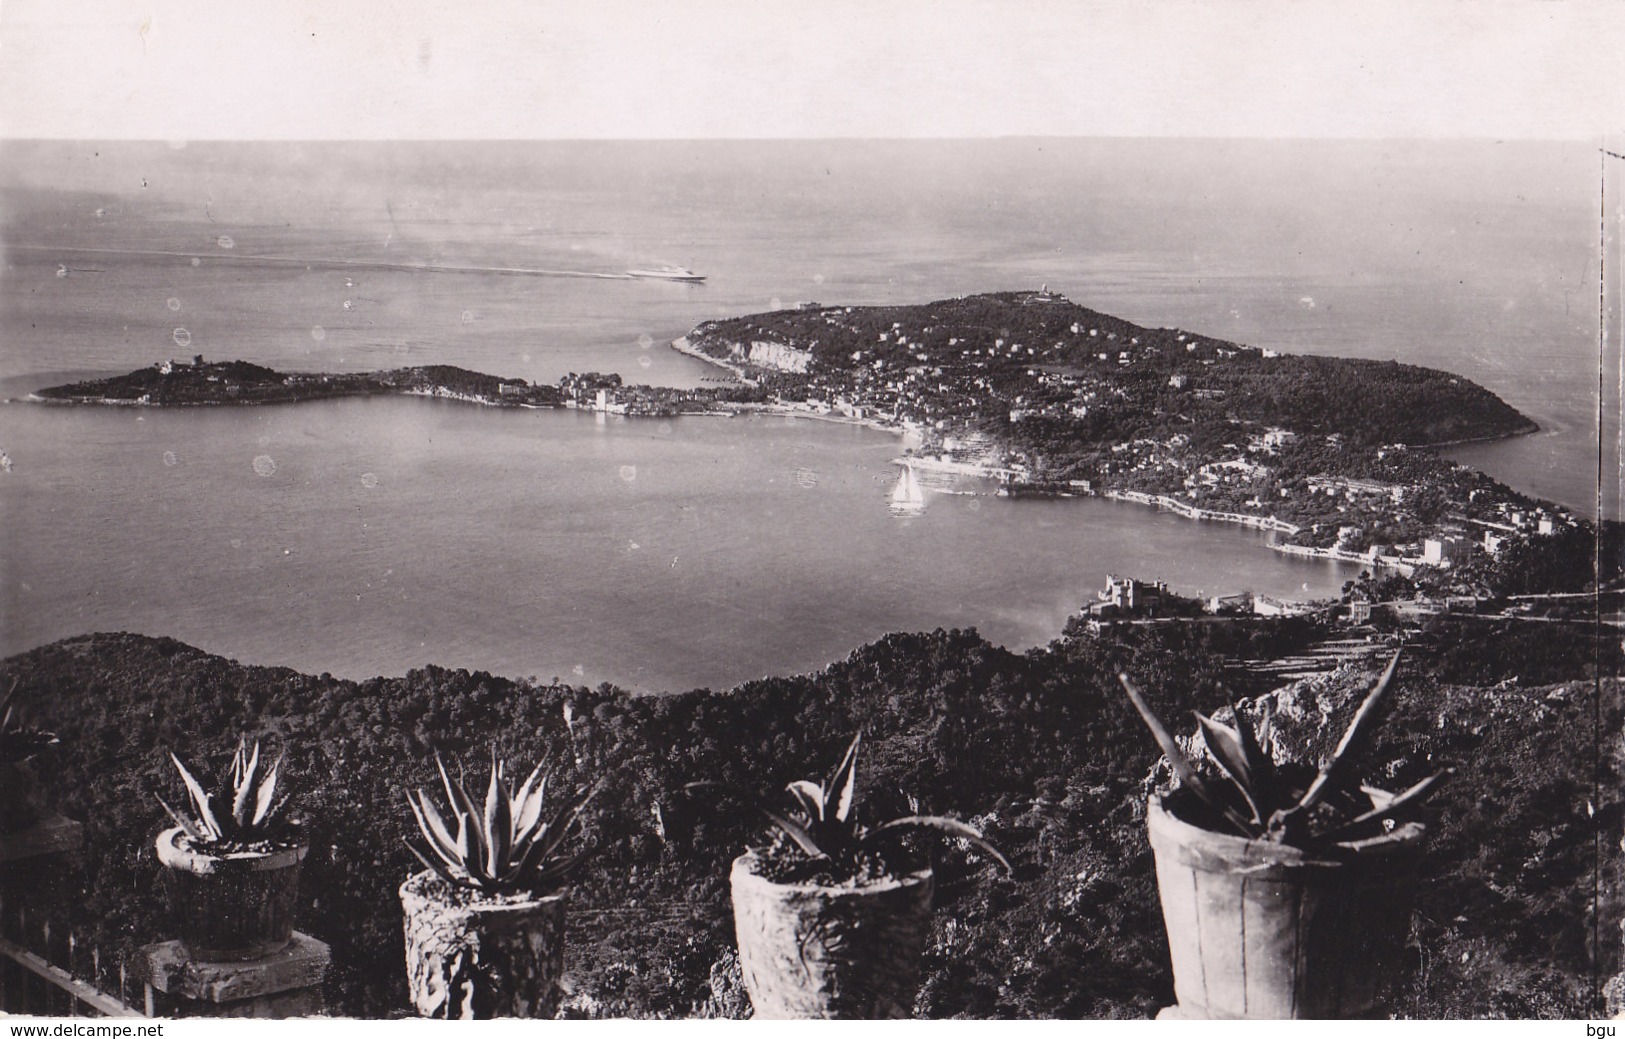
x=51, y=834
x=284, y=984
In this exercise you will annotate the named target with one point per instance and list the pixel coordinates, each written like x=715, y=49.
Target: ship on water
x=907, y=498
x=667, y=273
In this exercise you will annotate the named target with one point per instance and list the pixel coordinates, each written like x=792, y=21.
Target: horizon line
x=181, y=142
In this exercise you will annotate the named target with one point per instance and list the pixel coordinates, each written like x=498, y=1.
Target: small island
x=1330, y=455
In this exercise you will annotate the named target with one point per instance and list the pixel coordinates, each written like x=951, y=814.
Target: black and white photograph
x=666, y=512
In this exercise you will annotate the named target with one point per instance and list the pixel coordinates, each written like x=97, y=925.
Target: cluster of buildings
x=1131, y=599
x=168, y=367
x=944, y=372
x=978, y=364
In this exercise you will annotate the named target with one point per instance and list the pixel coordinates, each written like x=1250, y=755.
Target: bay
x=370, y=536
x=502, y=541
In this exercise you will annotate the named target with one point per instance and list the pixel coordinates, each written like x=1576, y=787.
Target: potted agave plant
x=1286, y=889
x=485, y=919
x=831, y=917
x=233, y=862
x=20, y=802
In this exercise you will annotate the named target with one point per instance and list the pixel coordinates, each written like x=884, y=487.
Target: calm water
x=367, y=537
x=664, y=555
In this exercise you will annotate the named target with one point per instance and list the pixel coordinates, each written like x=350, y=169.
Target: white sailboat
x=907, y=499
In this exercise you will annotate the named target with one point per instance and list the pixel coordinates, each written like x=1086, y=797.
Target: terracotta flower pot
x=808, y=951
x=1262, y=930
x=481, y=957
x=232, y=907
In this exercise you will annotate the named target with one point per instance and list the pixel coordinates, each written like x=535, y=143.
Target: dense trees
x=1011, y=345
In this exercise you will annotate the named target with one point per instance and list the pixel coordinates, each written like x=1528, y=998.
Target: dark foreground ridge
x=1040, y=750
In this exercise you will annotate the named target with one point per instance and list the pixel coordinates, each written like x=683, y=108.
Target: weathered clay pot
x=488, y=958
x=1262, y=930
x=808, y=951
x=232, y=907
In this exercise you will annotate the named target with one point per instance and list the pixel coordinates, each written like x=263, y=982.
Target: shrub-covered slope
x=1039, y=749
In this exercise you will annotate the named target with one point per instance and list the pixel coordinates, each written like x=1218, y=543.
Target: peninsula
x=200, y=384
x=1326, y=453
x=1049, y=397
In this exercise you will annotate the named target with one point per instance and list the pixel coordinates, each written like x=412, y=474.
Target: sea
x=368, y=537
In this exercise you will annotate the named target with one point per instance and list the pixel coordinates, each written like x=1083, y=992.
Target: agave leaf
x=534, y=870
x=525, y=811
x=244, y=782
x=526, y=826
x=276, y=807
x=220, y=802
x=498, y=822
x=267, y=792
x=546, y=838
x=1379, y=797
x=532, y=860
x=493, y=789
x=479, y=847
x=7, y=705
x=200, y=799
x=810, y=796
x=526, y=859
x=1181, y=765
x=467, y=852
x=433, y=829
x=187, y=826
x=1391, y=807
x=796, y=833
x=553, y=834
x=1352, y=743
x=533, y=820
x=1225, y=746
x=1261, y=764
x=844, y=779
x=445, y=874
x=943, y=824
x=536, y=875
x=433, y=824
x=456, y=795
x=556, y=870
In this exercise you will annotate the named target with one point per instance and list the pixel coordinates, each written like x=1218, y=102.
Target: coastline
x=683, y=346
x=1268, y=523
x=1172, y=504
x=1339, y=555
x=1534, y=427
x=687, y=349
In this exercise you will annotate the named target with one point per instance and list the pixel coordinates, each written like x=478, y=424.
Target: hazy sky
x=310, y=69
